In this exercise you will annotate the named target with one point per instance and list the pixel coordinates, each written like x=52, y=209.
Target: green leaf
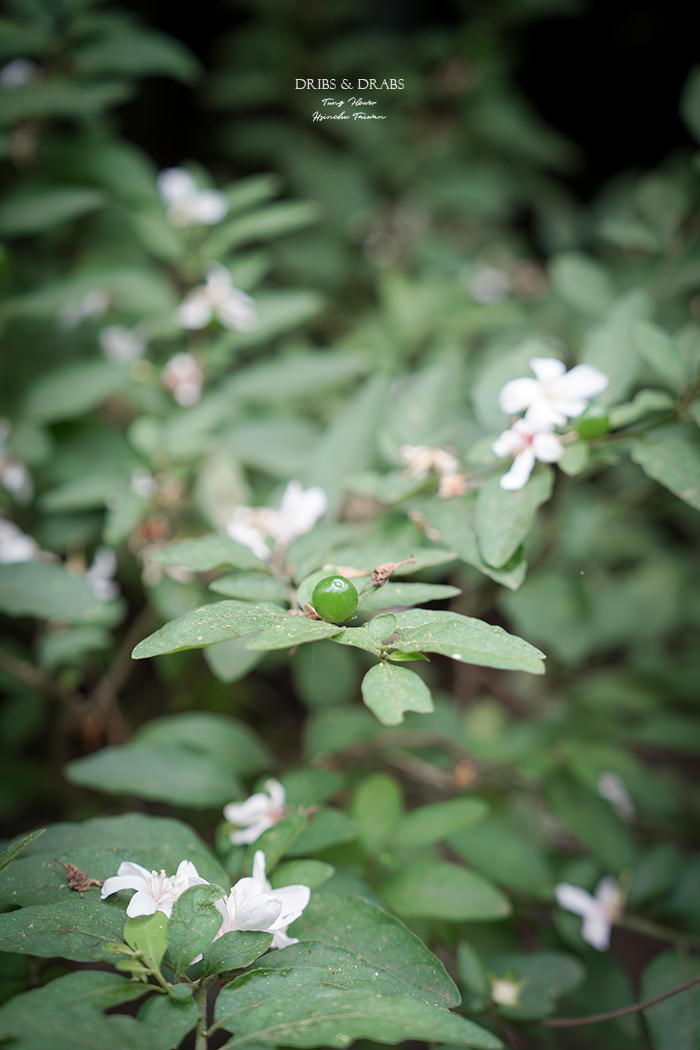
x=434, y=889
x=324, y=829
x=289, y=630
x=311, y=873
x=136, y=52
x=662, y=354
x=166, y=1019
x=581, y=282
x=277, y=840
x=428, y=824
x=644, y=403
x=466, y=639
x=230, y=661
x=72, y=929
x=74, y=390
x=503, y=519
x=506, y=856
x=60, y=96
x=298, y=375
x=48, y=591
x=671, y=455
x=148, y=934
x=389, y=691
x=593, y=821
x=674, y=1023
x=690, y=102
x=250, y=587
x=32, y=211
x=224, y=739
x=376, y=808
x=377, y=939
x=193, y=924
x=207, y=625
x=8, y=854
x=406, y=594
x=544, y=978
x=234, y=950
x=610, y=346
x=207, y=552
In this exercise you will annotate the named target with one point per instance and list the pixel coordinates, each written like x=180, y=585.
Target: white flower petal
x=547, y=369
x=520, y=471
x=596, y=930
x=115, y=883
x=582, y=382
x=142, y=903
x=574, y=899
x=244, y=836
x=175, y=185
x=209, y=207
x=547, y=447
x=517, y=395
x=293, y=900
x=249, y=536
x=194, y=311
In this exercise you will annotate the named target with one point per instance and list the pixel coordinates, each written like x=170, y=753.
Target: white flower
x=217, y=298
x=100, y=575
x=92, y=304
x=257, y=813
x=555, y=394
x=598, y=912
x=505, y=991
x=15, y=546
x=612, y=788
x=421, y=460
x=155, y=891
x=186, y=204
x=253, y=904
x=527, y=441
x=299, y=511
x=142, y=483
x=17, y=72
x=183, y=376
x=121, y=344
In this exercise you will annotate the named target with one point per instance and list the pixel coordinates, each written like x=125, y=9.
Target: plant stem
x=661, y=933
x=623, y=1011
x=201, y=1030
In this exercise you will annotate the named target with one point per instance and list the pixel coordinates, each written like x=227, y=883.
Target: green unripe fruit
x=334, y=599
x=594, y=423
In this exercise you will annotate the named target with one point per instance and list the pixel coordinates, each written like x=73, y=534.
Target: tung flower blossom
x=422, y=460
x=186, y=203
x=505, y=991
x=217, y=297
x=555, y=395
x=599, y=912
x=183, y=376
x=155, y=891
x=253, y=904
x=15, y=545
x=299, y=511
x=527, y=442
x=257, y=813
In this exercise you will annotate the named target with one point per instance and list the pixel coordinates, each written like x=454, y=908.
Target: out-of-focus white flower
x=121, y=344
x=142, y=483
x=527, y=441
x=155, y=891
x=421, y=460
x=14, y=475
x=92, y=304
x=186, y=203
x=598, y=912
x=555, y=394
x=15, y=545
x=101, y=573
x=253, y=904
x=611, y=787
x=299, y=511
x=19, y=71
x=183, y=376
x=217, y=297
x=489, y=285
x=257, y=813
x=505, y=991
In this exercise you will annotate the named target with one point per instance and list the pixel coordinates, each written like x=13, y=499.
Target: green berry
x=334, y=599
x=594, y=423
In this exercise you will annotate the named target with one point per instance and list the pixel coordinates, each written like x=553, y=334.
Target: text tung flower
x=155, y=891
x=217, y=297
x=555, y=395
x=526, y=442
x=599, y=912
x=253, y=904
x=186, y=203
x=299, y=511
x=256, y=814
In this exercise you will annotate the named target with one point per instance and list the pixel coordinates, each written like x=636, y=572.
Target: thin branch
x=623, y=1011
x=27, y=672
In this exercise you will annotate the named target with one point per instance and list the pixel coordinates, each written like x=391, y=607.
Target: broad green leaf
x=376, y=808
x=83, y=493
x=77, y=929
x=581, y=282
x=207, y=552
x=166, y=1019
x=325, y=828
x=644, y=404
x=265, y=1010
x=662, y=354
x=74, y=390
x=250, y=587
x=230, y=661
x=32, y=211
x=234, y=950
x=337, y=729
x=272, y=221
x=298, y=375
x=224, y=738
x=428, y=824
x=671, y=455
x=289, y=630
x=655, y=874
x=192, y=925
x=593, y=821
x=434, y=889
x=60, y=96
x=377, y=939
x=8, y=854
x=389, y=691
x=544, y=977
x=406, y=594
x=49, y=591
x=610, y=346
x=276, y=841
x=136, y=51
x=674, y=1023
x=501, y=853
x=466, y=639
x=207, y=625
x=148, y=934
x=502, y=519
x=311, y=873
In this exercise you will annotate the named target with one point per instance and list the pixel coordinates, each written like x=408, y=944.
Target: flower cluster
x=547, y=401
x=599, y=911
x=183, y=376
x=217, y=298
x=257, y=813
x=251, y=904
x=186, y=204
x=420, y=461
x=299, y=511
